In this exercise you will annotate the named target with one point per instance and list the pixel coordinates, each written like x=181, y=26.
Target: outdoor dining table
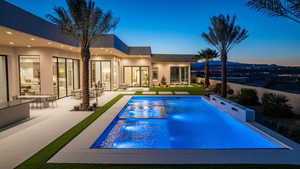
x=43, y=98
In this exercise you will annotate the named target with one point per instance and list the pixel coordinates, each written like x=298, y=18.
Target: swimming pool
x=149, y=122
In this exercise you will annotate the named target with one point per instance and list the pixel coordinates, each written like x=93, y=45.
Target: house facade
x=36, y=58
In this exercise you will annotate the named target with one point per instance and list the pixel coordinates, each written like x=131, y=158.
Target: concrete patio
x=20, y=141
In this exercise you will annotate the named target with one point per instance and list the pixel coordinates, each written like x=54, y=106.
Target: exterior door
x=3, y=80
x=101, y=74
x=136, y=76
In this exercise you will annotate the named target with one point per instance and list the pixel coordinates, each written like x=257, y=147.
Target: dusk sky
x=175, y=26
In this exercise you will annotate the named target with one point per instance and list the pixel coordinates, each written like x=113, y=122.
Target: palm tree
x=207, y=55
x=84, y=22
x=223, y=35
x=283, y=8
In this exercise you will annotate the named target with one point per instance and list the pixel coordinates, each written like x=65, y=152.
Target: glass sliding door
x=144, y=76
x=136, y=72
x=184, y=74
x=66, y=76
x=62, y=80
x=136, y=76
x=175, y=74
x=106, y=74
x=55, y=76
x=101, y=74
x=96, y=73
x=3, y=80
x=115, y=82
x=70, y=76
x=127, y=76
x=179, y=74
x=29, y=75
x=76, y=74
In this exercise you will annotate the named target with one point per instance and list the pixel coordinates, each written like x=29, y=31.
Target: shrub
x=247, y=97
x=217, y=88
x=230, y=91
x=276, y=105
x=163, y=81
x=295, y=133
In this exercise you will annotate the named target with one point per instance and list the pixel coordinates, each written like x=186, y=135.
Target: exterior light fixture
x=11, y=43
x=9, y=33
x=29, y=46
x=32, y=39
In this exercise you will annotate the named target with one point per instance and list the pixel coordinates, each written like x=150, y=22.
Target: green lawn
x=39, y=160
x=194, y=90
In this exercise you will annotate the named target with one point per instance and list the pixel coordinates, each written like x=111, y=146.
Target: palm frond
x=207, y=54
x=283, y=8
x=223, y=33
x=83, y=20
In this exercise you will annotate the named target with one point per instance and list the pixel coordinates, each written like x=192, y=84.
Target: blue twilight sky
x=174, y=26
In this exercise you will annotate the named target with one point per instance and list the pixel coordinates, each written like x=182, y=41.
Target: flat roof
x=173, y=58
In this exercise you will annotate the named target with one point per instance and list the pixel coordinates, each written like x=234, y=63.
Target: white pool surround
x=79, y=151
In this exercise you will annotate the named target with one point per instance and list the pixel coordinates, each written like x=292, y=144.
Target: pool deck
x=78, y=151
x=20, y=141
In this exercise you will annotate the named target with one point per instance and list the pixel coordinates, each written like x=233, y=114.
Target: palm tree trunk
x=85, y=55
x=206, y=74
x=224, y=73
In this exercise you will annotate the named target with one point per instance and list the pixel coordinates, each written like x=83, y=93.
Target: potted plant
x=163, y=81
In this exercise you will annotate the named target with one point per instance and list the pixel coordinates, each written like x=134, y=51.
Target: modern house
x=36, y=58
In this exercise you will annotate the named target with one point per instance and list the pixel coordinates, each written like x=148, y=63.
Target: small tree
x=282, y=8
x=276, y=105
x=84, y=22
x=224, y=34
x=207, y=55
x=163, y=81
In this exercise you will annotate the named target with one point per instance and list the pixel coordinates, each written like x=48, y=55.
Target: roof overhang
x=25, y=26
x=173, y=58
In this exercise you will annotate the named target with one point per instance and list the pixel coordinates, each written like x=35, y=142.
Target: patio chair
x=52, y=100
x=38, y=103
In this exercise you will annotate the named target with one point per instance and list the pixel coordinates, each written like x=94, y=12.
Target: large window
x=29, y=75
x=179, y=74
x=155, y=73
x=136, y=76
x=101, y=74
x=65, y=76
x=3, y=80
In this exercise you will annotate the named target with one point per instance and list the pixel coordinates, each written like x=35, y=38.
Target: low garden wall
x=14, y=112
x=294, y=99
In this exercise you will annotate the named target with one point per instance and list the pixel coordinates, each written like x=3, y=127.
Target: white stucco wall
x=164, y=69
x=46, y=73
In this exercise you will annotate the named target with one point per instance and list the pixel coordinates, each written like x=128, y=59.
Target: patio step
x=149, y=93
x=182, y=93
x=165, y=93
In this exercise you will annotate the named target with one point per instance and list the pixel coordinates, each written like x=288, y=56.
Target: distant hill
x=200, y=65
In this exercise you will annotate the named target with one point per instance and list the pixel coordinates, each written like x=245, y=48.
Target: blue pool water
x=177, y=123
